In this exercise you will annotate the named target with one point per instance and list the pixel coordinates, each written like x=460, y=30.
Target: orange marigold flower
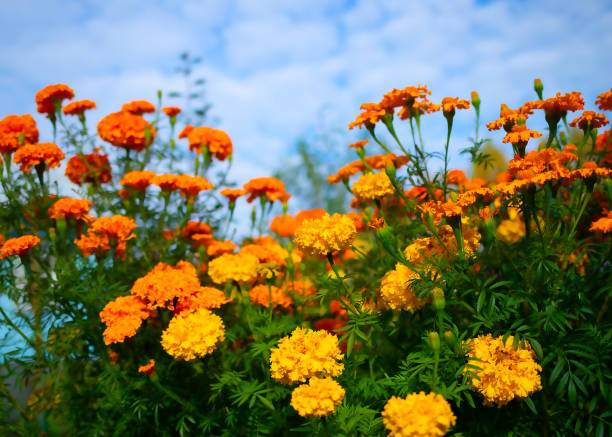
x=376, y=162
x=203, y=297
x=138, y=107
x=233, y=193
x=509, y=117
x=423, y=106
x=49, y=96
x=357, y=220
x=105, y=233
x=92, y=168
x=590, y=170
x=216, y=247
x=186, y=131
x=122, y=317
x=272, y=188
x=309, y=214
x=590, y=119
x=267, y=250
x=372, y=113
x=456, y=177
x=17, y=130
x=171, y=111
x=284, y=225
x=359, y=144
x=68, y=208
x=603, y=224
x=556, y=106
x=449, y=104
x=470, y=197
x=18, y=246
x=191, y=186
x=603, y=144
x=78, y=107
x=148, y=369
x=126, y=130
x=216, y=141
x=604, y=101
x=410, y=99
x=194, y=228
x=441, y=209
x=167, y=182
x=263, y=296
x=138, y=180
x=520, y=134
x=34, y=154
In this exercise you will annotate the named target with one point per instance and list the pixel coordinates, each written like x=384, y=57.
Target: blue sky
x=272, y=67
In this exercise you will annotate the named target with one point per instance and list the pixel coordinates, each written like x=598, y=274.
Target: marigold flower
x=78, y=107
x=193, y=335
x=262, y=295
x=604, y=101
x=318, y=398
x=148, y=369
x=162, y=285
x=325, y=235
x=456, y=177
x=359, y=144
x=186, y=131
x=556, y=106
x=138, y=107
x=418, y=415
x=506, y=373
x=511, y=231
x=216, y=141
x=18, y=246
x=309, y=214
x=17, y=130
x=167, y=182
x=396, y=289
x=272, y=188
x=520, y=134
x=284, y=225
x=138, y=180
x=376, y=162
x=191, y=186
x=372, y=186
x=603, y=144
x=69, y=208
x=590, y=119
x=233, y=193
x=372, y=113
x=510, y=117
x=449, y=104
x=204, y=297
x=34, y=154
x=92, y=168
x=216, y=247
x=305, y=354
x=240, y=267
x=105, y=233
x=171, y=111
x=122, y=317
x=406, y=97
x=126, y=130
x=50, y=95
x=604, y=224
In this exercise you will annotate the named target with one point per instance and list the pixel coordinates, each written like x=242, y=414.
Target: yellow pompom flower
x=305, y=354
x=418, y=415
x=506, y=373
x=396, y=290
x=239, y=267
x=511, y=231
x=325, y=235
x=193, y=335
x=371, y=186
x=318, y=398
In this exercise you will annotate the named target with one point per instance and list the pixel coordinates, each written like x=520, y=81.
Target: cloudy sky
x=273, y=67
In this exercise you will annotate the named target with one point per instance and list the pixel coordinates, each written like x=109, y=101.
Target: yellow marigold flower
x=418, y=415
x=511, y=231
x=506, y=372
x=193, y=335
x=240, y=267
x=325, y=235
x=318, y=398
x=371, y=186
x=396, y=290
x=305, y=354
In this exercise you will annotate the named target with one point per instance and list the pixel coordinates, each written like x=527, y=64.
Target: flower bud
x=476, y=100
x=538, y=87
x=434, y=341
x=438, y=298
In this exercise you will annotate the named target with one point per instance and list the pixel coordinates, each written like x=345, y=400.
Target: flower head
x=216, y=141
x=78, y=107
x=106, y=233
x=371, y=186
x=203, y=297
x=396, y=289
x=191, y=186
x=590, y=119
x=604, y=224
x=449, y=104
x=264, y=296
x=193, y=335
x=520, y=133
x=305, y=354
x=271, y=188
x=122, y=317
x=148, y=369
x=49, y=96
x=505, y=372
x=92, y=168
x=372, y=113
x=126, y=130
x=240, y=267
x=69, y=208
x=138, y=107
x=34, y=154
x=418, y=415
x=17, y=130
x=137, y=180
x=216, y=247
x=171, y=111
x=604, y=101
x=284, y=225
x=318, y=398
x=510, y=117
x=325, y=235
x=18, y=246
x=359, y=144
x=233, y=193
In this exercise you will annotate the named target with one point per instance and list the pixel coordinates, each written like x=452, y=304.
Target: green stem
x=449, y=123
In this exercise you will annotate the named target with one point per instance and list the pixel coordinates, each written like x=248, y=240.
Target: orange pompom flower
x=216, y=247
x=604, y=224
x=191, y=186
x=203, y=297
x=186, y=131
x=35, y=154
x=126, y=130
x=17, y=130
x=137, y=180
x=520, y=134
x=284, y=225
x=138, y=107
x=264, y=296
x=509, y=117
x=52, y=95
x=456, y=177
x=604, y=101
x=167, y=182
x=272, y=188
x=590, y=119
x=216, y=141
x=106, y=233
x=69, y=208
x=232, y=193
x=122, y=317
x=359, y=144
x=78, y=107
x=171, y=111
x=449, y=104
x=92, y=168
x=372, y=113
x=18, y=246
